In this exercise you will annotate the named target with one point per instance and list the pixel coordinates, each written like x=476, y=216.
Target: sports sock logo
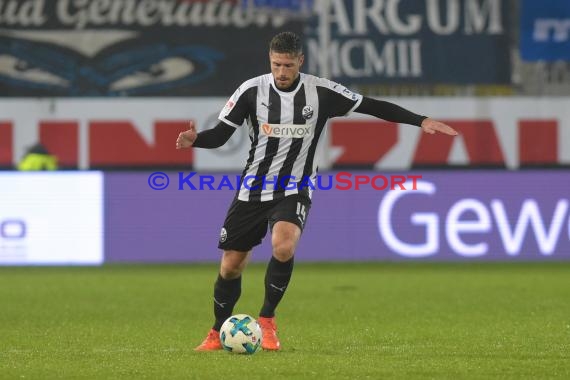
x=281, y=289
x=220, y=304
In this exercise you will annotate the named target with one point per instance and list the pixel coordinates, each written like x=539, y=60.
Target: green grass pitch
x=337, y=321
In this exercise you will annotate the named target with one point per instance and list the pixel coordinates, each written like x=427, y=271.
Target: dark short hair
x=286, y=43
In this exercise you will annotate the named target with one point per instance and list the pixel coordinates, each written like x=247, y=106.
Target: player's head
x=285, y=58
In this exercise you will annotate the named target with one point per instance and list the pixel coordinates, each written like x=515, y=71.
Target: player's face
x=285, y=68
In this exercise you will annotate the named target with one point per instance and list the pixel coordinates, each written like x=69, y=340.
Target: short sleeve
x=236, y=109
x=340, y=101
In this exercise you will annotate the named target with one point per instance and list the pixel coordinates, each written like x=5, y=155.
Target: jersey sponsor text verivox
x=286, y=130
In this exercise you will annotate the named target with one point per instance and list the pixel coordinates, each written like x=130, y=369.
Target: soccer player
x=286, y=112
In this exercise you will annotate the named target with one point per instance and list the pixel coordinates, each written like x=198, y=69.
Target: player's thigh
x=287, y=221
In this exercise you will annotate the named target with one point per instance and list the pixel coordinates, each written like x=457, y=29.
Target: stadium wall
x=110, y=134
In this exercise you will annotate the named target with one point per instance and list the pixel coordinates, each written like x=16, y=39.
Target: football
x=241, y=334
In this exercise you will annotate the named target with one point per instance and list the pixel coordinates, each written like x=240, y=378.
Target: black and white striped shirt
x=284, y=128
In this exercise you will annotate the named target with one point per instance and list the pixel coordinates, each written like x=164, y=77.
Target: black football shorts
x=246, y=223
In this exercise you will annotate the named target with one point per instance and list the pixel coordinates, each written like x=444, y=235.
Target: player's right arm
x=231, y=117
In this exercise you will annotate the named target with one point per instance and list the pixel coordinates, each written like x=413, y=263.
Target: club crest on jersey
x=307, y=112
x=295, y=131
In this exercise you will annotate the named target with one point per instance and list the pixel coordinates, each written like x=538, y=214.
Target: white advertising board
x=51, y=218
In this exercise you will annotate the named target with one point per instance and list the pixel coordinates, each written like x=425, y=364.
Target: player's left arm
x=393, y=112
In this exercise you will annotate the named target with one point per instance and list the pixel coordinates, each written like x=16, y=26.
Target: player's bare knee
x=230, y=273
x=233, y=263
x=283, y=251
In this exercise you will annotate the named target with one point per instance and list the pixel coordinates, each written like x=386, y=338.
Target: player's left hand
x=432, y=126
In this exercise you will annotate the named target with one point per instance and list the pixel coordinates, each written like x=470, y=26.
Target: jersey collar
x=293, y=88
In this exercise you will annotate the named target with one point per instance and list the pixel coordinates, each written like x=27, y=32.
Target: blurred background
x=94, y=93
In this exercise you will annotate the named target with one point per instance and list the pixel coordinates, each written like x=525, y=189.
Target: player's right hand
x=186, y=139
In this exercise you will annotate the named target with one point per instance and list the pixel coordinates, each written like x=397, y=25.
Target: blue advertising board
x=545, y=30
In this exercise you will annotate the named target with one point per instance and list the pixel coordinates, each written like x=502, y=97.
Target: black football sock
x=276, y=280
x=226, y=295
